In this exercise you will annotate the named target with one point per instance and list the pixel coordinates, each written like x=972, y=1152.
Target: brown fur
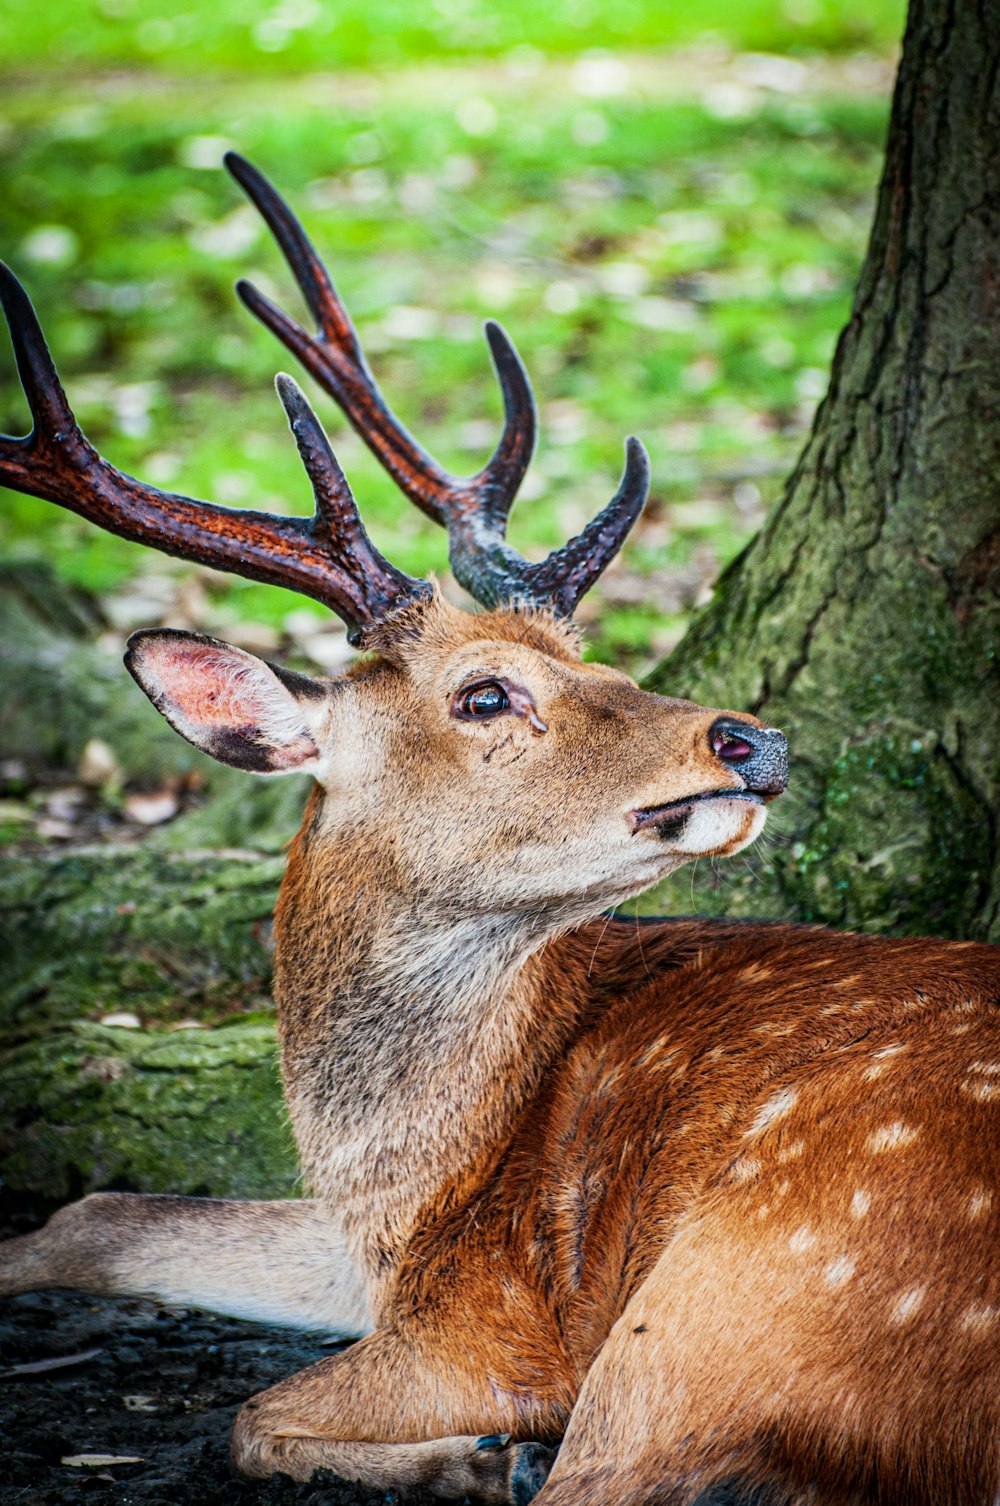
x=717, y=1201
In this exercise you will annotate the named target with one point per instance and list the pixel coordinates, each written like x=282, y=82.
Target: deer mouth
x=667, y=820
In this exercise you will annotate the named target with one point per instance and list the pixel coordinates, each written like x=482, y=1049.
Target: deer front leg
x=451, y=1400
x=281, y=1262
x=492, y=1468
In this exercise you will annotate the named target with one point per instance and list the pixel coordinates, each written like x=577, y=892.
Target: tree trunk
x=864, y=617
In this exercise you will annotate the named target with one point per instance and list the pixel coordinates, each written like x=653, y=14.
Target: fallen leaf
x=56, y=831
x=98, y=764
x=152, y=809
x=98, y=1461
x=54, y=1362
x=64, y=804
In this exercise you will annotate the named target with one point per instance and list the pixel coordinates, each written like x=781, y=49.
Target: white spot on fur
x=860, y=1203
x=802, y=1240
x=659, y=1056
x=791, y=1151
x=755, y=972
x=882, y=1058
x=775, y=1108
x=980, y=1203
x=988, y=1069
x=892, y=1137
x=978, y=1318
x=744, y=1170
x=840, y=1271
x=984, y=1090
x=907, y=1304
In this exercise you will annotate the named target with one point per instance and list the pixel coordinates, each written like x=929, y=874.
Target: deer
x=686, y=1211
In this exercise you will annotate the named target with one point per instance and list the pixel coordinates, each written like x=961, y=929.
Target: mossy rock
x=190, y=1111
x=172, y=1106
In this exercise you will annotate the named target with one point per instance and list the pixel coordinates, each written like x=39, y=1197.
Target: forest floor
x=155, y=1389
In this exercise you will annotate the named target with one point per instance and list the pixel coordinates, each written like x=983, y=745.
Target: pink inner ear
x=224, y=701
x=209, y=686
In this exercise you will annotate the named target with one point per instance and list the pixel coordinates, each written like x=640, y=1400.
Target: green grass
x=267, y=37
x=672, y=246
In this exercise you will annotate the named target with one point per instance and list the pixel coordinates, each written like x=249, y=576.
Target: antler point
x=293, y=400
x=235, y=163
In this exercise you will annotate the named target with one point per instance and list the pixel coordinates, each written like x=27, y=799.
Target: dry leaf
x=152, y=809
x=54, y=1362
x=98, y=764
x=98, y=1461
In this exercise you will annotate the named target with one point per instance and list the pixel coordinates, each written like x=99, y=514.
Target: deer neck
x=412, y=1036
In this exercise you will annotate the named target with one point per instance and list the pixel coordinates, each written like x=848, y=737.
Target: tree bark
x=864, y=618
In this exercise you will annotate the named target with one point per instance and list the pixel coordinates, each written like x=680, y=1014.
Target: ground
x=161, y=1385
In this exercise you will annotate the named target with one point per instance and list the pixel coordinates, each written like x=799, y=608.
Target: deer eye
x=484, y=700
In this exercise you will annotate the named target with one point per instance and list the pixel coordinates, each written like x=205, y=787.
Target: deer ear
x=229, y=703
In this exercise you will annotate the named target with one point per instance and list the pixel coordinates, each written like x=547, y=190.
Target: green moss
x=165, y=936
x=168, y=938
x=189, y=1111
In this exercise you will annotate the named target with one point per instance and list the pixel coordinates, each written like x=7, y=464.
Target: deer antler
x=474, y=509
x=328, y=556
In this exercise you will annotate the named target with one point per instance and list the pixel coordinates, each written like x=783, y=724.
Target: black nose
x=758, y=754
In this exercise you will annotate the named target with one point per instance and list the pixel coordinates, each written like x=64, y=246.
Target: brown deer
x=711, y=1207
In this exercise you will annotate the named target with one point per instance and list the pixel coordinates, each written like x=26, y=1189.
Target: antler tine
x=56, y=462
x=382, y=585
x=51, y=415
x=496, y=575
x=334, y=358
x=568, y=573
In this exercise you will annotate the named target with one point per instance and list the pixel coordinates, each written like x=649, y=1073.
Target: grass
x=265, y=37
x=671, y=239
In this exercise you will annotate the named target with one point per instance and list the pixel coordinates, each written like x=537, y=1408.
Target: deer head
x=477, y=753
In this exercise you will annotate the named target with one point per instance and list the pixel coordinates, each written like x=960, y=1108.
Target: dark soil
x=164, y=1385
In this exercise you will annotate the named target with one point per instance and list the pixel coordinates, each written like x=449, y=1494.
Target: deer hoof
x=529, y=1469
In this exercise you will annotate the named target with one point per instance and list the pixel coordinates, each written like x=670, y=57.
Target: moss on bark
x=169, y=938
x=865, y=617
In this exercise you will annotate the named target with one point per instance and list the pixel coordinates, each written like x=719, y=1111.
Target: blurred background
x=665, y=205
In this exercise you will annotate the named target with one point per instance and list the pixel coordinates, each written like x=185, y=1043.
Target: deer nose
x=758, y=754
